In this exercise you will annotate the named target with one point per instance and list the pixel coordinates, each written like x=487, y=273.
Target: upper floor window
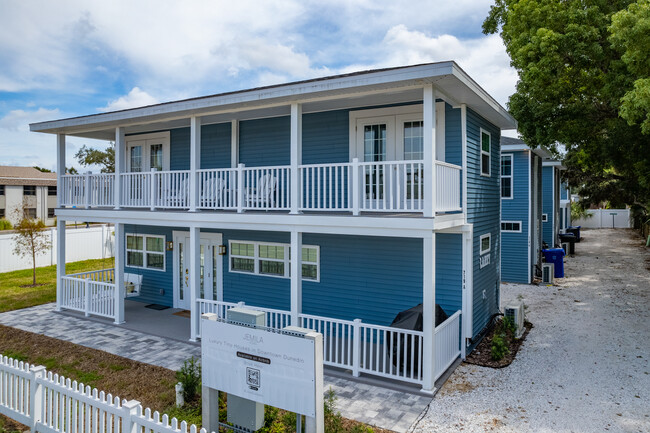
x=51, y=190
x=486, y=243
x=30, y=213
x=511, y=226
x=506, y=176
x=50, y=212
x=2, y=190
x=29, y=190
x=413, y=140
x=486, y=145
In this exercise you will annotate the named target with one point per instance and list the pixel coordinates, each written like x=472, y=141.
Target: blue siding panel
x=514, y=247
x=215, y=145
x=264, y=142
x=179, y=151
x=326, y=137
x=449, y=272
x=453, y=136
x=483, y=211
x=369, y=278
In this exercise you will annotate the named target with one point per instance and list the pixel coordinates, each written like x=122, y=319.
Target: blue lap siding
x=515, y=257
x=483, y=211
x=548, y=205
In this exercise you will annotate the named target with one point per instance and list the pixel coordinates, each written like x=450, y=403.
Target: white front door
x=210, y=265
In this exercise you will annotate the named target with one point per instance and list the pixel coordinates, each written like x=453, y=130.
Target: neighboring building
x=38, y=188
x=556, y=209
x=320, y=202
x=521, y=210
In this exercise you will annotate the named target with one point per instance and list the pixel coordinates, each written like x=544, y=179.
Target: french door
x=210, y=269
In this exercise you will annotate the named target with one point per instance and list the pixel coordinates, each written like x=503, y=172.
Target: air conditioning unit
x=515, y=312
x=565, y=247
x=548, y=271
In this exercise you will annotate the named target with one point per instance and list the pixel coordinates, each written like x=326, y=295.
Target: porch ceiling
x=369, y=88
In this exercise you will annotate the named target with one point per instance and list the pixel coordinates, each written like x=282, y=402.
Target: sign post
x=281, y=368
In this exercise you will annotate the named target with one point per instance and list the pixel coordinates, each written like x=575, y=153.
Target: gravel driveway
x=584, y=366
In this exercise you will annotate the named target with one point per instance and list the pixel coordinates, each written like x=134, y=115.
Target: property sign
x=259, y=365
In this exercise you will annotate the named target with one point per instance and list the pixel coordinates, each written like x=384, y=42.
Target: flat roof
x=320, y=94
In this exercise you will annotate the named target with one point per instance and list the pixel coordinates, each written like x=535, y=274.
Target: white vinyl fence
x=82, y=243
x=606, y=219
x=49, y=403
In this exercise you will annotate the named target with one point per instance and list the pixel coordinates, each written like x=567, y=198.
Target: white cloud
x=19, y=120
x=135, y=98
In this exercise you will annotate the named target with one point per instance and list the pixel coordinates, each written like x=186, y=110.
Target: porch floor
x=161, y=338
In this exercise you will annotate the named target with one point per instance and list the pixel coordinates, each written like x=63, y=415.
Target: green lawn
x=15, y=297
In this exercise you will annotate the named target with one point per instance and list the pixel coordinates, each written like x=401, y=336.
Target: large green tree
x=105, y=158
x=576, y=69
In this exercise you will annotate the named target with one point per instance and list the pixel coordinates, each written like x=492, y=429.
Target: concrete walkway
x=584, y=366
x=394, y=409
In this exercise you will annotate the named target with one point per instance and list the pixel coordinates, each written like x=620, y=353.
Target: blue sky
x=69, y=58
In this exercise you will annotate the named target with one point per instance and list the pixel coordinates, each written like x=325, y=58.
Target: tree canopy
x=583, y=82
x=90, y=156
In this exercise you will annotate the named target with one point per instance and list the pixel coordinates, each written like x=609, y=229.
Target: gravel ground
x=584, y=366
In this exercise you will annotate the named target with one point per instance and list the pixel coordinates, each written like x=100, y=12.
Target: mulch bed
x=482, y=354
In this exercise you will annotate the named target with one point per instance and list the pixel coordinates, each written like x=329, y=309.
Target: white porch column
x=296, y=156
x=429, y=118
x=296, y=276
x=468, y=287
x=120, y=262
x=195, y=269
x=234, y=143
x=463, y=139
x=120, y=165
x=60, y=260
x=429, y=312
x=195, y=161
x=60, y=167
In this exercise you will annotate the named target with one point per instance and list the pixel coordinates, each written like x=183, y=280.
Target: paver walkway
x=584, y=367
x=378, y=406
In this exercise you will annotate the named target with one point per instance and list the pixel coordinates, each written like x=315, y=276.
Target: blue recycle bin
x=555, y=256
x=575, y=230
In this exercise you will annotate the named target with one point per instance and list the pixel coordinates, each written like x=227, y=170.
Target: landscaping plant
x=30, y=238
x=190, y=377
x=5, y=224
x=504, y=333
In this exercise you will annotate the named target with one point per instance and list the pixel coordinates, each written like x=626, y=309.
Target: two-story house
x=30, y=187
x=556, y=206
x=332, y=203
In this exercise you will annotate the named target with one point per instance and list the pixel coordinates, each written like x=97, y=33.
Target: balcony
x=386, y=186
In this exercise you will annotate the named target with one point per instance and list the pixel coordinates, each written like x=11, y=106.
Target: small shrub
x=5, y=224
x=190, y=376
x=499, y=347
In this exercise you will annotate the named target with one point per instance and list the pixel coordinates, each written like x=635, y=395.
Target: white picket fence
x=49, y=403
x=365, y=348
x=606, y=219
x=95, y=242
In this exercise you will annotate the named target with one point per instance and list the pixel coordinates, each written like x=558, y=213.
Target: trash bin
x=555, y=256
x=569, y=238
x=575, y=230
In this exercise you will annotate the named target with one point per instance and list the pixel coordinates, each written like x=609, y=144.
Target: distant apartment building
x=38, y=188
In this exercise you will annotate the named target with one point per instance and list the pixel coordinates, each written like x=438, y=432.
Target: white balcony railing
x=385, y=186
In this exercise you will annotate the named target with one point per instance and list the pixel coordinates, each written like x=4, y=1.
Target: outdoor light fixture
x=222, y=250
x=170, y=245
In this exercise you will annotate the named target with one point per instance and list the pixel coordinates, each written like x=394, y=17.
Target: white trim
x=463, y=135
x=144, y=251
x=482, y=152
x=511, y=177
x=234, y=143
x=511, y=231
x=468, y=286
x=544, y=217
x=144, y=141
x=531, y=207
x=286, y=260
x=480, y=243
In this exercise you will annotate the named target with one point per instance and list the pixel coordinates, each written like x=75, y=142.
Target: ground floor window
x=544, y=217
x=145, y=251
x=511, y=226
x=272, y=259
x=50, y=212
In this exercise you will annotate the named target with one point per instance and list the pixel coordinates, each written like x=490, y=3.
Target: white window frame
x=544, y=217
x=480, y=243
x=511, y=231
x=489, y=154
x=146, y=141
x=287, y=260
x=144, y=252
x=511, y=177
